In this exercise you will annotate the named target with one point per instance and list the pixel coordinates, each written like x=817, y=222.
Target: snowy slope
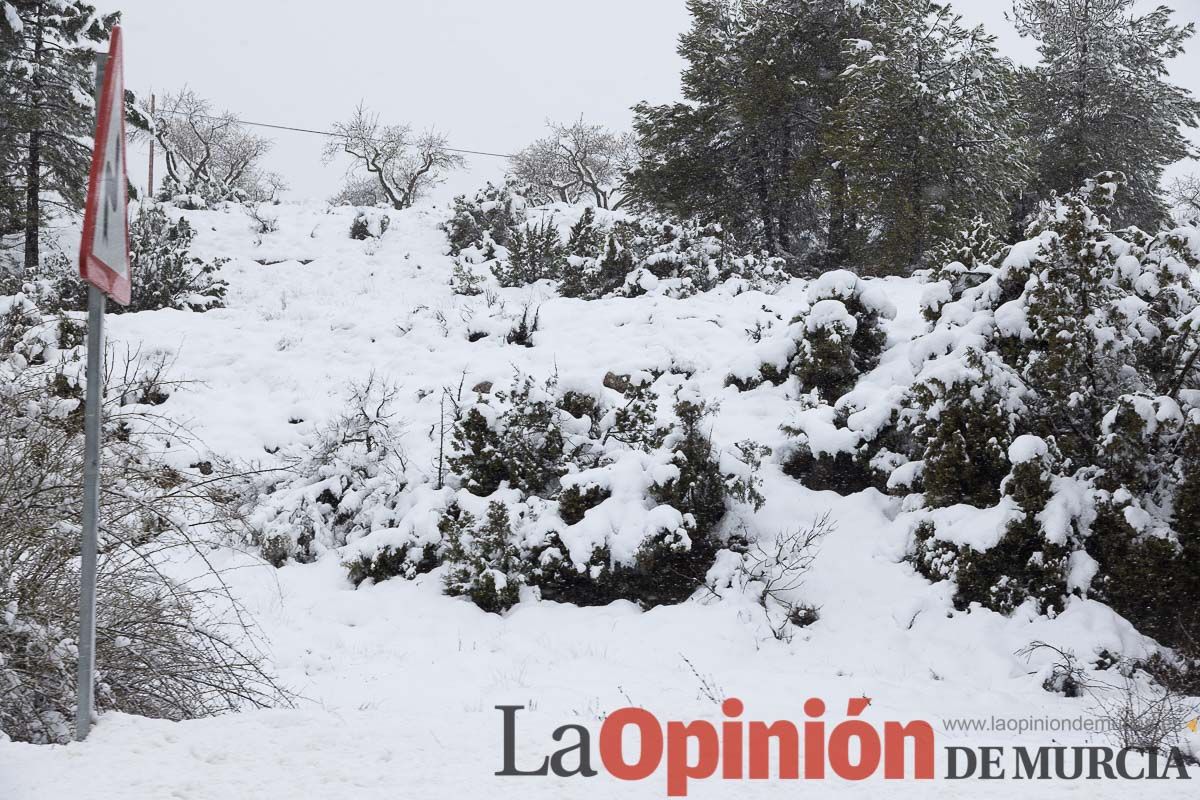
x=398, y=683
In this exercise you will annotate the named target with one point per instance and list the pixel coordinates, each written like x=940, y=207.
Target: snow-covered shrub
x=632, y=256
x=465, y=280
x=966, y=419
x=161, y=648
x=535, y=252
x=369, y=225
x=604, y=254
x=693, y=257
x=842, y=334
x=581, y=497
x=514, y=437
x=339, y=485
x=522, y=333
x=489, y=217
x=482, y=560
x=1077, y=362
x=166, y=274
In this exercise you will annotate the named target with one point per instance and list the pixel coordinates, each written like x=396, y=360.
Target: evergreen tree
x=47, y=82
x=926, y=128
x=746, y=148
x=1100, y=98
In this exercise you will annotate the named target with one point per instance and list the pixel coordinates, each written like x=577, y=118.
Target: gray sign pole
x=91, y=491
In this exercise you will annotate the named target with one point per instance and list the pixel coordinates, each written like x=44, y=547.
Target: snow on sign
x=104, y=251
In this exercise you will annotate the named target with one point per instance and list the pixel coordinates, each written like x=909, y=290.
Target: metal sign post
x=104, y=264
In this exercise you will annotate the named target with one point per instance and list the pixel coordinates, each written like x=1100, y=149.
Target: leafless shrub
x=1066, y=676
x=1137, y=711
x=263, y=220
x=171, y=641
x=1144, y=715
x=709, y=689
x=775, y=568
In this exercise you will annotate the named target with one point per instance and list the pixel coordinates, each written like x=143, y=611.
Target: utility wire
x=330, y=134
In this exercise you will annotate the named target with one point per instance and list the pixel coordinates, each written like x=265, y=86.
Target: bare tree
x=1184, y=192
x=211, y=155
x=403, y=164
x=358, y=191
x=577, y=161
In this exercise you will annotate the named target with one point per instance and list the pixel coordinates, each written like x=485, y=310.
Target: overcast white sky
x=487, y=72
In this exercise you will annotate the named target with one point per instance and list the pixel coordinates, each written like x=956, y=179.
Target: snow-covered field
x=397, y=683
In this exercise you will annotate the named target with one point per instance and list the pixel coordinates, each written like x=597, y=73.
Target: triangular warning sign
x=104, y=251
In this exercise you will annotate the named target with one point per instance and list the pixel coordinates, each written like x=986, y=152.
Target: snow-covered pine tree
x=926, y=129
x=1101, y=98
x=47, y=81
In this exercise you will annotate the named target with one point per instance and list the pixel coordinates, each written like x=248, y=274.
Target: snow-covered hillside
x=397, y=683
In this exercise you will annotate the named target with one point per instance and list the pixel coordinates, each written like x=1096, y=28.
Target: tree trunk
x=838, y=244
x=33, y=164
x=33, y=189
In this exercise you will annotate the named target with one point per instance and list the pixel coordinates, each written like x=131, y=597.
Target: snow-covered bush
x=166, y=274
x=604, y=254
x=535, y=252
x=1065, y=391
x=161, y=648
x=483, y=562
x=517, y=437
x=581, y=497
x=338, y=485
x=369, y=225
x=489, y=217
x=842, y=334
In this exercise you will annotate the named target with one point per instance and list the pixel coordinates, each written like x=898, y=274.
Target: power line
x=331, y=134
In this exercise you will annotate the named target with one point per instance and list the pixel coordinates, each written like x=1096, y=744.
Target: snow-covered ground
x=398, y=683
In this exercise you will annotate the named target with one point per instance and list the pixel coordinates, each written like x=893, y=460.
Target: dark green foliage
x=701, y=489
x=535, y=252
x=491, y=217
x=392, y=562
x=361, y=228
x=926, y=130
x=586, y=239
x=580, y=405
x=527, y=439
x=165, y=273
x=522, y=332
x=841, y=472
x=972, y=246
x=966, y=444
x=1146, y=579
x=522, y=446
x=747, y=148
x=1099, y=360
x=825, y=361
x=635, y=421
x=483, y=563
x=48, y=119
x=574, y=501
x=1023, y=564
x=837, y=349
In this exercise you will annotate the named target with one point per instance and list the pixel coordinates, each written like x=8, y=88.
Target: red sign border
x=91, y=267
